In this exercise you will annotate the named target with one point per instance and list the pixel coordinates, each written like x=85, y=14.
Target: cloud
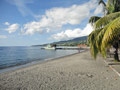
x=21, y=5
x=56, y=18
x=3, y=37
x=70, y=34
x=12, y=28
x=6, y=23
x=87, y=30
x=99, y=10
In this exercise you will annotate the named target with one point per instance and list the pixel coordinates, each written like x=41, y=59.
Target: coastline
x=20, y=66
x=73, y=72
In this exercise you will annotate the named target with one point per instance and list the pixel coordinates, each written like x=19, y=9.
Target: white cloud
x=87, y=30
x=6, y=23
x=3, y=36
x=21, y=5
x=12, y=28
x=69, y=34
x=99, y=10
x=55, y=18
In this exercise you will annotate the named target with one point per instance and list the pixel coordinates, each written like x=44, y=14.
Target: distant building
x=81, y=45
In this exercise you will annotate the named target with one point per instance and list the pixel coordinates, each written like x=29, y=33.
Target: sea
x=20, y=56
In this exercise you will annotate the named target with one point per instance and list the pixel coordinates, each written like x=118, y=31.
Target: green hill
x=72, y=42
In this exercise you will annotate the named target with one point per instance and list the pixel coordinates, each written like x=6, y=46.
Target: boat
x=50, y=47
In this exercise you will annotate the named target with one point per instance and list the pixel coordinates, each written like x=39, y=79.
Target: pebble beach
x=74, y=72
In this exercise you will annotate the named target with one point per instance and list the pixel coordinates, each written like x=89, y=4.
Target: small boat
x=50, y=47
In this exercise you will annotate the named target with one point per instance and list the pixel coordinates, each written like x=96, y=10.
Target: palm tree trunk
x=116, y=56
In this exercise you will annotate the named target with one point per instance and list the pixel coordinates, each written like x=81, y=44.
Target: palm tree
x=106, y=29
x=111, y=6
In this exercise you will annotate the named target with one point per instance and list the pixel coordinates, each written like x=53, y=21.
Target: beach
x=75, y=72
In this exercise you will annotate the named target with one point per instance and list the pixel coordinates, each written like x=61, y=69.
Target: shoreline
x=73, y=72
x=20, y=66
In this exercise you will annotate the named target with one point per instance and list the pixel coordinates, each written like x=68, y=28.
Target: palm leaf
x=113, y=6
x=92, y=43
x=104, y=5
x=106, y=20
x=93, y=19
x=99, y=39
x=111, y=35
x=110, y=6
x=102, y=2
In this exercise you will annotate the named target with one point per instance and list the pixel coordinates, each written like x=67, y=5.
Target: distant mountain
x=73, y=40
x=80, y=38
x=84, y=38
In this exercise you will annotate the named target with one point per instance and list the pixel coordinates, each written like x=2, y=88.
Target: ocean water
x=16, y=56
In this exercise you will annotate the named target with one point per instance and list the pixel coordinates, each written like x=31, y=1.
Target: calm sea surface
x=15, y=56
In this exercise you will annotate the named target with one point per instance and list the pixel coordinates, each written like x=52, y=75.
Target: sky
x=34, y=22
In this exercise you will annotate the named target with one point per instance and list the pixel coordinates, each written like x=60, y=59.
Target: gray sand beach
x=75, y=72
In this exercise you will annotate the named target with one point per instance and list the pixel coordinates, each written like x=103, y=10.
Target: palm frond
x=111, y=35
x=100, y=37
x=93, y=19
x=106, y=20
x=113, y=6
x=92, y=43
x=110, y=6
x=102, y=2
x=104, y=6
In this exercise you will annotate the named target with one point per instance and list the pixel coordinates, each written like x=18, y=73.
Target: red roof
x=81, y=45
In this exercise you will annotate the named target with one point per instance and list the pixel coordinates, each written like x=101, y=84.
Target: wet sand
x=75, y=72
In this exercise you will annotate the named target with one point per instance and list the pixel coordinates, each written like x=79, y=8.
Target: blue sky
x=32, y=22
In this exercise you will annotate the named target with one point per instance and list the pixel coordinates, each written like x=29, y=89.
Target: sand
x=75, y=72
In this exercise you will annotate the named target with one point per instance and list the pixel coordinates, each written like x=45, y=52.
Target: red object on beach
x=81, y=45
